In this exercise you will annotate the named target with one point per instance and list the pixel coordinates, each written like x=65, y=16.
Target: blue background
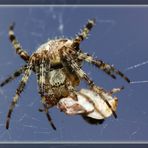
x=120, y=37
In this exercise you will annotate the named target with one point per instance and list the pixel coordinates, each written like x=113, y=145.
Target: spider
x=57, y=65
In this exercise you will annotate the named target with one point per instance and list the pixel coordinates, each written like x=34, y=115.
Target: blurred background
x=120, y=38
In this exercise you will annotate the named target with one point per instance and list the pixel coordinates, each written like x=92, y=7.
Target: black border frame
x=41, y=145
x=75, y=2
x=70, y=2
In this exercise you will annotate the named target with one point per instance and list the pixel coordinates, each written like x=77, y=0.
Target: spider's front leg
x=83, y=34
x=19, y=50
x=22, y=53
x=108, y=69
x=13, y=76
x=19, y=90
x=68, y=60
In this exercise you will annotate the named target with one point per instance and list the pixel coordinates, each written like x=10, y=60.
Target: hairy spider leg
x=47, y=114
x=19, y=90
x=13, y=76
x=49, y=117
x=19, y=50
x=83, y=34
x=83, y=75
x=41, y=76
x=108, y=69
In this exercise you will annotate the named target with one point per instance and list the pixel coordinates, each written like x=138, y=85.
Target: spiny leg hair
x=70, y=61
x=13, y=76
x=19, y=90
x=108, y=69
x=83, y=34
x=23, y=54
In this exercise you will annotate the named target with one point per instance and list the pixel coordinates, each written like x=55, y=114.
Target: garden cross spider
x=57, y=65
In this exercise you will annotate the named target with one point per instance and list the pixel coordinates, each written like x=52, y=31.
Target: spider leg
x=19, y=90
x=23, y=54
x=49, y=117
x=13, y=76
x=67, y=59
x=41, y=76
x=108, y=69
x=83, y=34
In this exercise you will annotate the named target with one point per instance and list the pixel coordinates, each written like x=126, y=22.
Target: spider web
x=119, y=38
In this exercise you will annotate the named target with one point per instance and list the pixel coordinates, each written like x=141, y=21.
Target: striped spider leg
x=19, y=90
x=20, y=51
x=26, y=69
x=83, y=34
x=13, y=76
x=108, y=69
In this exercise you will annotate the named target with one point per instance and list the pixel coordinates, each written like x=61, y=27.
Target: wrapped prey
x=89, y=104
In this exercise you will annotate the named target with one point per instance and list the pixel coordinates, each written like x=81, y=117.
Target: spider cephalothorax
x=57, y=65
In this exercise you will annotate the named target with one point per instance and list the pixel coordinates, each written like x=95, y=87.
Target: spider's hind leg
x=19, y=50
x=108, y=69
